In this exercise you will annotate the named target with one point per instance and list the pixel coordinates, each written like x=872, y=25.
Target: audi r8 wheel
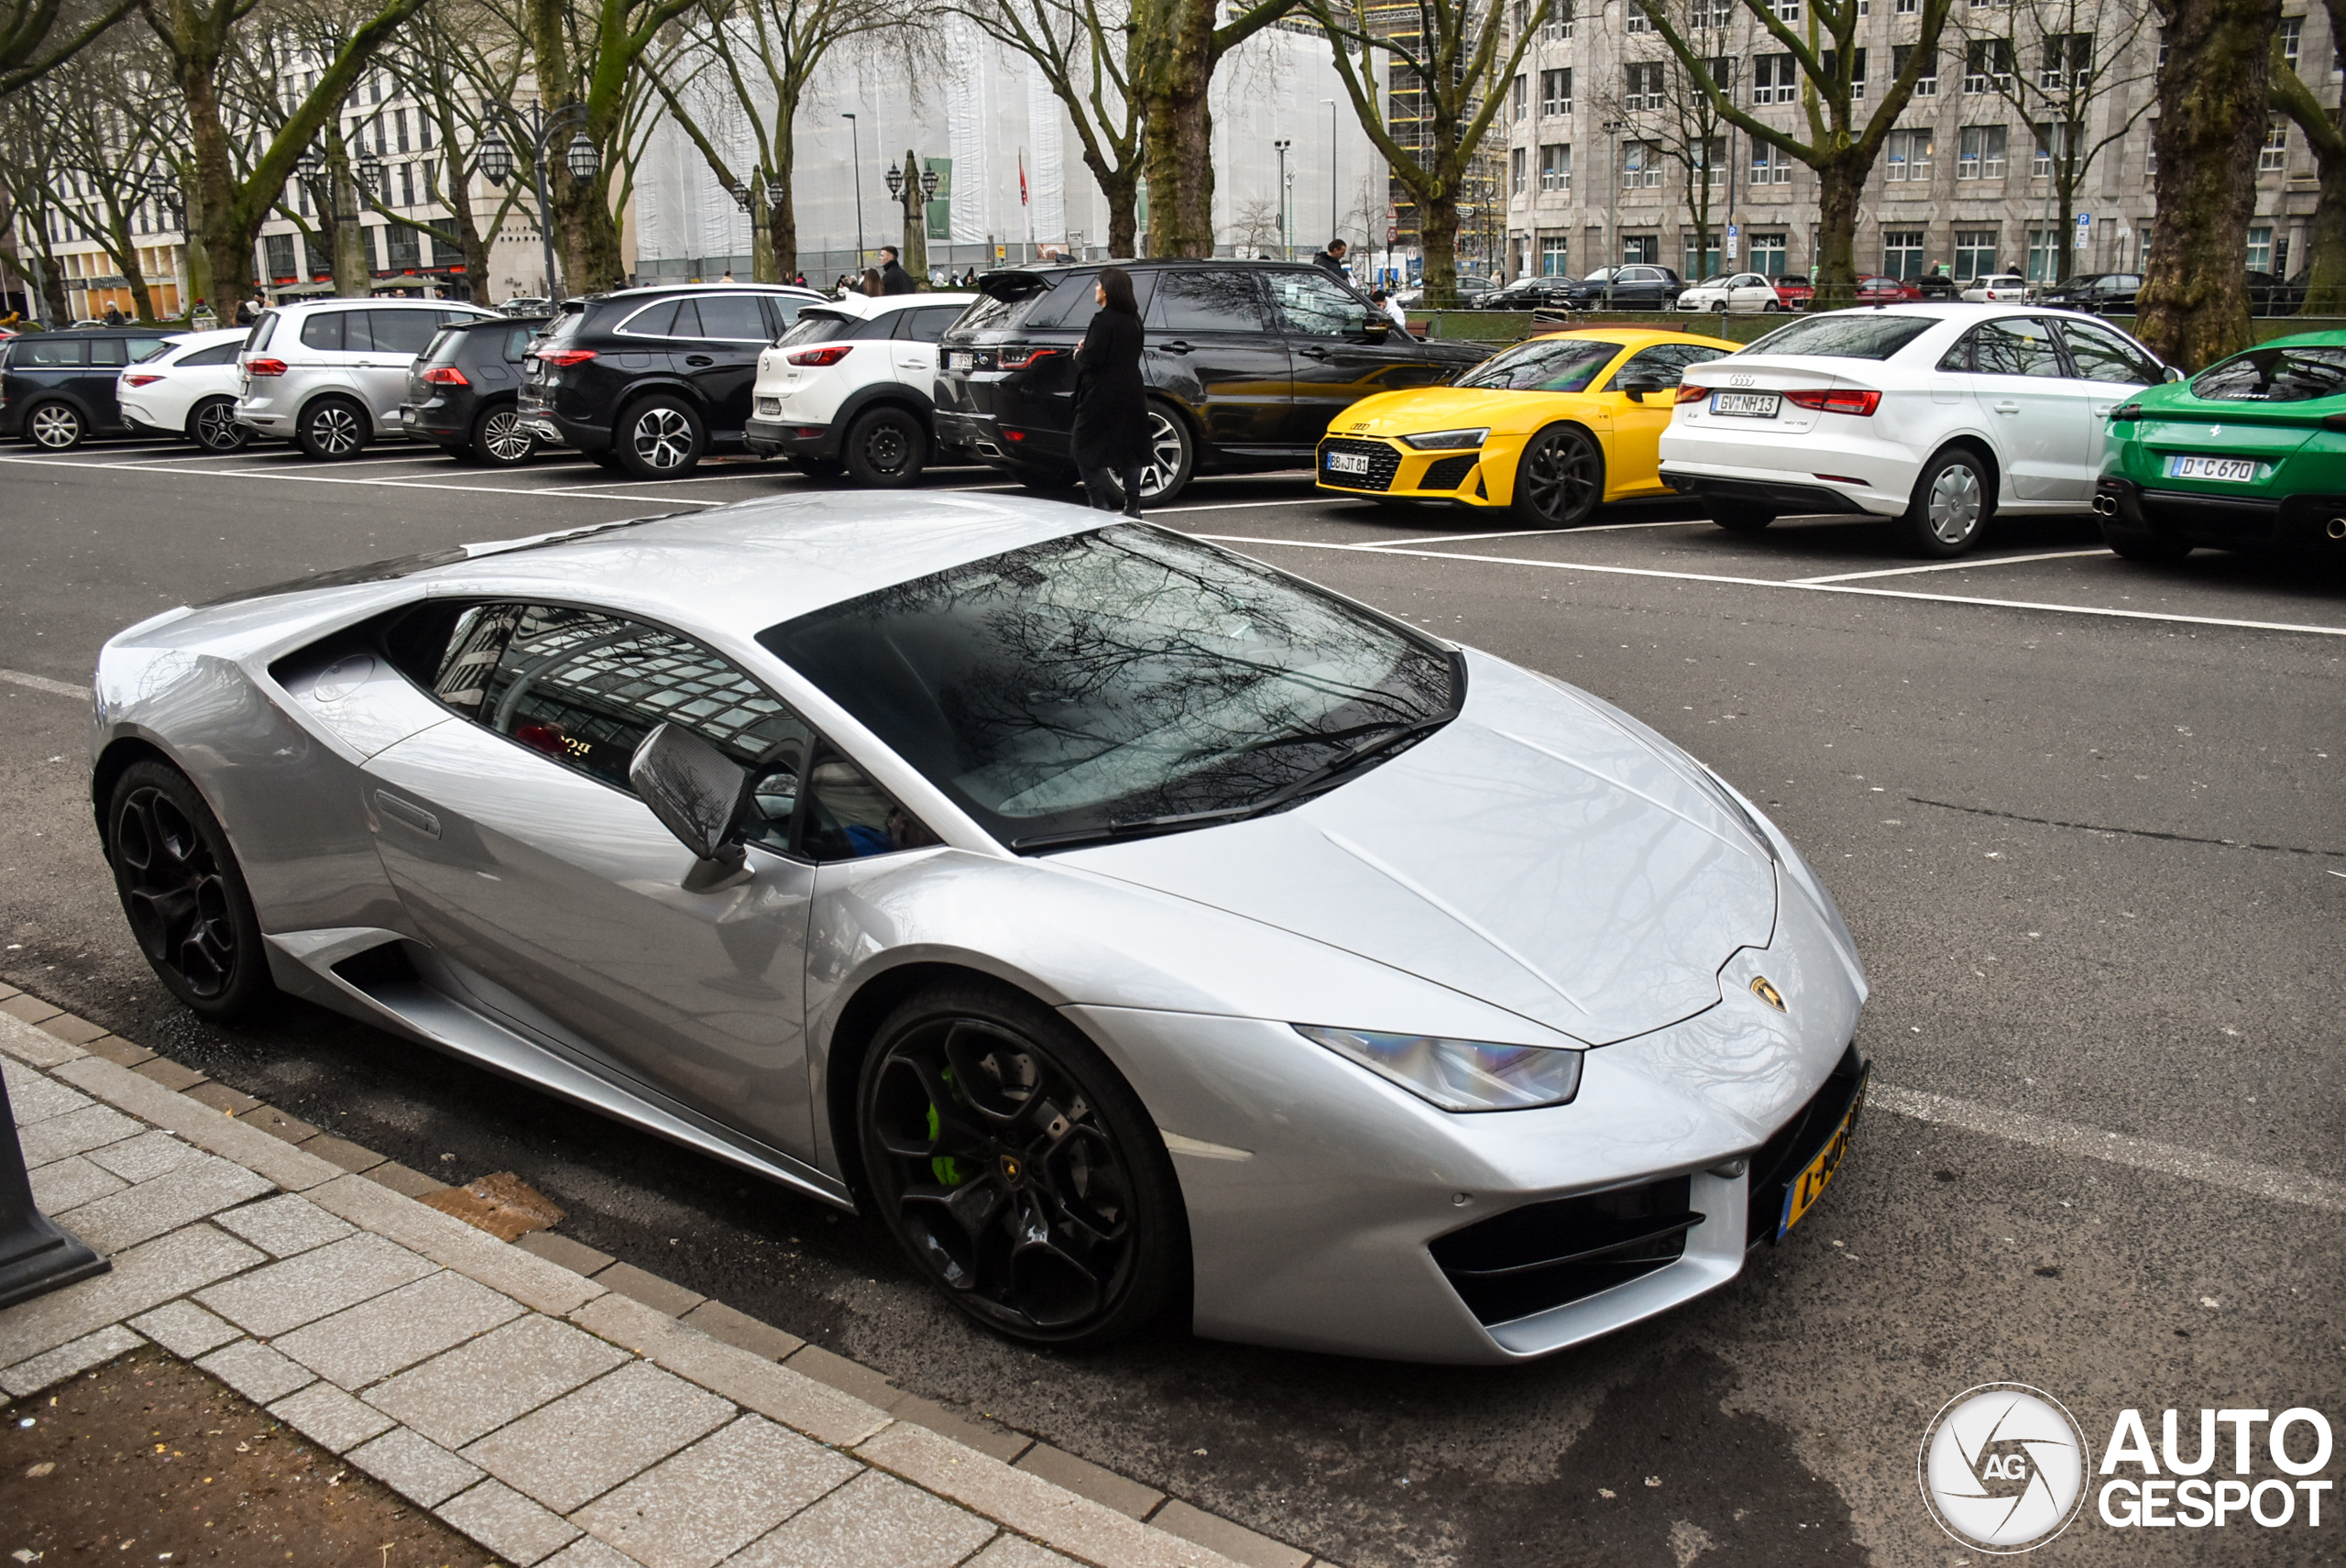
x=57, y=426
x=1560, y=479
x=183, y=893
x=332, y=428
x=887, y=447
x=1952, y=502
x=1019, y=1169
x=659, y=438
x=212, y=424
x=501, y=440
x=1171, y=458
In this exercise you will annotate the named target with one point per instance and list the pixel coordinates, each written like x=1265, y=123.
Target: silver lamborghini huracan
x=1137, y=928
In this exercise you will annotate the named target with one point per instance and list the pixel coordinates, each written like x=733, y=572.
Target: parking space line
x=1535, y=533
x=1790, y=583
x=1234, y=506
x=43, y=684
x=2267, y=1182
x=1956, y=565
x=388, y=484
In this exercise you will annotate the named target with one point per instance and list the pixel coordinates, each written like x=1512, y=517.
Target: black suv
x=649, y=380
x=1246, y=363
x=1634, y=286
x=462, y=389
x=60, y=387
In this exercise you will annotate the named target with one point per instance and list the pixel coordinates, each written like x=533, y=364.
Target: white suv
x=850, y=385
x=331, y=374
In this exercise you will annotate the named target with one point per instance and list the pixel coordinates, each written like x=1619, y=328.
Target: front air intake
x=1546, y=1255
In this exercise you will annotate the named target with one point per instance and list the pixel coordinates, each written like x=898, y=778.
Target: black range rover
x=1246, y=362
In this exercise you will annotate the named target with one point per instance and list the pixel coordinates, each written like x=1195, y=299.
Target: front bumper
x=1478, y=479
x=2311, y=523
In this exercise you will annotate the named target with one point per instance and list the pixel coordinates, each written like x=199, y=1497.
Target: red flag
x=1022, y=179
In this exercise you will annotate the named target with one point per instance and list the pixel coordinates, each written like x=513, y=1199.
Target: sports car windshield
x=1543, y=365
x=1122, y=682
x=1846, y=334
x=2275, y=376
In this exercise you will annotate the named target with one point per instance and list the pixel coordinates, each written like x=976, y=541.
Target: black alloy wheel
x=332, y=429
x=1560, y=479
x=501, y=440
x=1018, y=1170
x=57, y=426
x=212, y=424
x=1170, y=458
x=184, y=894
x=886, y=447
x=659, y=438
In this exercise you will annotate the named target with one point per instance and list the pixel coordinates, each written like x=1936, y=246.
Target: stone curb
x=848, y=1409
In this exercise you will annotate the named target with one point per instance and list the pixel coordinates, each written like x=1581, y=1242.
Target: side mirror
x=2172, y=373
x=1636, y=387
x=697, y=791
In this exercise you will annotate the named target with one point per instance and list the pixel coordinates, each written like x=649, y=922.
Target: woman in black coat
x=1111, y=435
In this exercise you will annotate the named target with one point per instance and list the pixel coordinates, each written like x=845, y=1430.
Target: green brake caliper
x=944, y=1167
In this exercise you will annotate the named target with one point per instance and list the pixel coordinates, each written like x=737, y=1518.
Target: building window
x=1857, y=70
x=281, y=254
x=1788, y=10
x=1640, y=165
x=1555, y=93
x=398, y=127
x=2150, y=146
x=1640, y=251
x=1902, y=252
x=1768, y=254
x=2043, y=254
x=2292, y=29
x=2051, y=142
x=1713, y=13
x=1975, y=254
x=1698, y=264
x=407, y=184
x=1645, y=87
x=2068, y=61
x=2260, y=247
x=1926, y=81
x=1556, y=168
x=1987, y=65
x=1515, y=167
x=1775, y=79
x=1636, y=20
x=1769, y=165
x=1559, y=27
x=1520, y=97
x=1980, y=153
x=2274, y=155
x=1908, y=156
x=1554, y=261
x=1909, y=7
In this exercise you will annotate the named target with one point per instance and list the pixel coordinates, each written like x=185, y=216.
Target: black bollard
x=37, y=1254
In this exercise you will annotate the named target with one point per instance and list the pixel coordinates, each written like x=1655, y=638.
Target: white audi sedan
x=1940, y=415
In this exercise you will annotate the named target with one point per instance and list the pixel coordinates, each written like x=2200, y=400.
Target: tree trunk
x=2193, y=301
x=194, y=257
x=1839, y=186
x=353, y=253
x=1177, y=144
x=124, y=251
x=1438, y=235
x=2326, y=243
x=761, y=267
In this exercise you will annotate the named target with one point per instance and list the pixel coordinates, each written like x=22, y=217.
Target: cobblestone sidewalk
x=554, y=1417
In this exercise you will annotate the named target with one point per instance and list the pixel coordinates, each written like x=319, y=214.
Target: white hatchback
x=1996, y=289
x=1940, y=415
x=1745, y=293
x=190, y=389
x=852, y=384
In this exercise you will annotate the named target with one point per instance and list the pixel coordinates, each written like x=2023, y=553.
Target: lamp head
x=496, y=159
x=583, y=156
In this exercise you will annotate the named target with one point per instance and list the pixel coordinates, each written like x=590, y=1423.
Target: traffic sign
x=1733, y=232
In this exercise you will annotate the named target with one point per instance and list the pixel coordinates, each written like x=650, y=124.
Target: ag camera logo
x=2003, y=1467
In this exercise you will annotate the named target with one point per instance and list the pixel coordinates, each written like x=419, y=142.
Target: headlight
x=1448, y=440
x=1459, y=1075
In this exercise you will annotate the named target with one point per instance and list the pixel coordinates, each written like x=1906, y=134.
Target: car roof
x=374, y=303
x=90, y=332
x=870, y=305
x=499, y=319
x=1636, y=337
x=653, y=291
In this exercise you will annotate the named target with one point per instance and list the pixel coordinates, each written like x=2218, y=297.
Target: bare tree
x=31, y=138
x=1085, y=50
x=38, y=36
x=2326, y=244
x=1175, y=47
x=455, y=63
x=1255, y=225
x=109, y=120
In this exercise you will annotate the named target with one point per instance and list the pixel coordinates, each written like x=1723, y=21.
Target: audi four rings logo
x=1742, y=381
x=2003, y=1468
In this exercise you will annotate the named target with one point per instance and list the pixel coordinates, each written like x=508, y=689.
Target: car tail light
x=1019, y=358
x=565, y=356
x=829, y=353
x=140, y=380
x=264, y=367
x=1687, y=394
x=445, y=376
x=1837, y=400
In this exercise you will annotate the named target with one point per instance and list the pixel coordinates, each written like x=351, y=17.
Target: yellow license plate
x=1818, y=1173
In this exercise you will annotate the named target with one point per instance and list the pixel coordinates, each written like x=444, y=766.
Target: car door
x=335, y=347
x=2036, y=417
x=396, y=335
x=1210, y=348
x=2107, y=367
x=1340, y=350
x=720, y=356
x=1635, y=450
x=523, y=855
x=96, y=381
x=912, y=352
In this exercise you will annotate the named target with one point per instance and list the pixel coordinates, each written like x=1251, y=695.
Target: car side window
x=1314, y=306
x=656, y=320
x=928, y=325
x=108, y=351
x=324, y=330
x=2016, y=345
x=732, y=318
x=403, y=332
x=2101, y=354
x=1665, y=362
x=37, y=350
x=1221, y=299
x=847, y=817
x=517, y=343
x=218, y=354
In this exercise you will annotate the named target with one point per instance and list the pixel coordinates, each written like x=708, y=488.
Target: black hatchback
x=59, y=388
x=463, y=390
x=1246, y=363
x=650, y=381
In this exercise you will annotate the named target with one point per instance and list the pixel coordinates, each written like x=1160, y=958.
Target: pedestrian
x=728, y=275
x=874, y=284
x=1392, y=308
x=893, y=279
x=1331, y=259
x=1110, y=440
x=113, y=315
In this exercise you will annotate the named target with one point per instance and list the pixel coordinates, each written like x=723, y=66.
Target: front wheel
x=1018, y=1170
x=501, y=440
x=183, y=892
x=886, y=447
x=212, y=424
x=1560, y=479
x=659, y=438
x=1952, y=502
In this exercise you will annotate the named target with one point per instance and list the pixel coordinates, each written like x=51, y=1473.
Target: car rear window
x=2298, y=375
x=1004, y=301
x=218, y=354
x=817, y=327
x=257, y=339
x=1845, y=335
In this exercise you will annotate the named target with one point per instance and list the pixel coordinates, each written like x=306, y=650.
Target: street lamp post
x=1335, y=222
x=1287, y=240
x=855, y=146
x=537, y=129
x=1612, y=207
x=751, y=199
x=172, y=210
x=912, y=187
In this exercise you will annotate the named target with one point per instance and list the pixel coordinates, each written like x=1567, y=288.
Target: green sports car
x=2249, y=452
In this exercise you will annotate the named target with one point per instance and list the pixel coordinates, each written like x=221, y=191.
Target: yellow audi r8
x=1549, y=428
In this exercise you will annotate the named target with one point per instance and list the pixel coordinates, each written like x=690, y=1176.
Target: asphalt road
x=2083, y=814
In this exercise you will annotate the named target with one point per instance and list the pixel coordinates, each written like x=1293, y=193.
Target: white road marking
x=388, y=484
x=1231, y=505
x=2267, y=1182
x=43, y=684
x=1959, y=566
x=1801, y=587
x=1536, y=533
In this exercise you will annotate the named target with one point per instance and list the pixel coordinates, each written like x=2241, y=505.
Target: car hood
x=1535, y=853
x=1422, y=408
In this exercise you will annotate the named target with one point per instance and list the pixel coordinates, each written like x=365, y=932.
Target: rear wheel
x=330, y=429
x=886, y=446
x=1171, y=458
x=183, y=892
x=57, y=426
x=1739, y=519
x=1017, y=1168
x=2142, y=544
x=659, y=438
x=1560, y=479
x=499, y=438
x=1952, y=502
x=212, y=424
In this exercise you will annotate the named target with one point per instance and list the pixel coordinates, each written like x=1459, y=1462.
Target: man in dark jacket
x=1333, y=258
x=893, y=279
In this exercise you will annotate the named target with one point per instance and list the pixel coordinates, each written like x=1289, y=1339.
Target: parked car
x=189, y=389
x=2097, y=292
x=61, y=387
x=651, y=380
x=527, y=305
x=1936, y=285
x=1144, y=937
x=2271, y=295
x=1535, y=293
x=1996, y=288
x=463, y=390
x=1795, y=289
x=1472, y=290
x=1634, y=286
x=332, y=373
x=1550, y=428
x=1743, y=294
x=1876, y=290
x=1939, y=415
x=2245, y=455
x=851, y=385
x=1246, y=364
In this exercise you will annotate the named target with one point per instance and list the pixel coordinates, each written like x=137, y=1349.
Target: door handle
x=2007, y=408
x=414, y=817
x=699, y=359
x=1314, y=352
x=1176, y=346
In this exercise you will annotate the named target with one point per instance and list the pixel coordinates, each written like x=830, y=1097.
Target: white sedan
x=188, y=389
x=1745, y=293
x=1996, y=289
x=1939, y=415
